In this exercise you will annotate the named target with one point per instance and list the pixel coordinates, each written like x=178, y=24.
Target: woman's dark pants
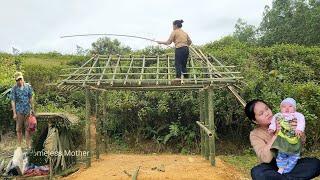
x=181, y=59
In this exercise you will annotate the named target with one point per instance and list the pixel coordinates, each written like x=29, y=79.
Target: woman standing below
x=259, y=113
x=182, y=42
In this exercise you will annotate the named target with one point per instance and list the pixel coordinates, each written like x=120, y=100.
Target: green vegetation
x=165, y=121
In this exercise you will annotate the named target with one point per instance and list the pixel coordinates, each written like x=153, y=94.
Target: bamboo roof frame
x=143, y=73
x=138, y=73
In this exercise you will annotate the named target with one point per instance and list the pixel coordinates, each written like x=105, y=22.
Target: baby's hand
x=299, y=133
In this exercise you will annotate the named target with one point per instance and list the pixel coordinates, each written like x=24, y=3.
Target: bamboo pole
x=127, y=74
x=88, y=162
x=115, y=70
x=158, y=62
x=168, y=71
x=104, y=119
x=194, y=71
x=104, y=70
x=139, y=67
x=78, y=69
x=153, y=73
x=211, y=126
x=90, y=70
x=206, y=122
x=206, y=130
x=201, y=103
x=142, y=70
x=97, y=125
x=153, y=81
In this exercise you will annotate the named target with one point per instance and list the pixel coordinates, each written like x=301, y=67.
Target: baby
x=288, y=140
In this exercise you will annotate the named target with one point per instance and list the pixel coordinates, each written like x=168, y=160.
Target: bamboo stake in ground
x=201, y=102
x=206, y=122
x=211, y=126
x=88, y=162
x=97, y=115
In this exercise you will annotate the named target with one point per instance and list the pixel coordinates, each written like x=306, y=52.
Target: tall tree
x=107, y=46
x=291, y=21
x=245, y=32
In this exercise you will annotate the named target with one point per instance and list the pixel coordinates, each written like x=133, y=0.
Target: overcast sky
x=36, y=25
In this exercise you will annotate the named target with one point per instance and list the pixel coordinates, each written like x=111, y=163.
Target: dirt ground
x=113, y=166
x=155, y=166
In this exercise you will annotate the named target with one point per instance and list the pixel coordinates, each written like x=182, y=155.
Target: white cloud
x=36, y=25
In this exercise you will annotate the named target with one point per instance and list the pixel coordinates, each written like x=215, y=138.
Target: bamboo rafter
x=150, y=72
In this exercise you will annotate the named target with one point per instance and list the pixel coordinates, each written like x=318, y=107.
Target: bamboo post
x=201, y=102
x=211, y=126
x=88, y=162
x=206, y=122
x=104, y=118
x=168, y=71
x=97, y=125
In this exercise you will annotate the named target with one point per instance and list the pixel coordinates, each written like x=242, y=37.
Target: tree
x=81, y=51
x=291, y=21
x=245, y=32
x=107, y=46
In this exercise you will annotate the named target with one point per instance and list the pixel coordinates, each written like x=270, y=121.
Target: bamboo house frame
x=102, y=73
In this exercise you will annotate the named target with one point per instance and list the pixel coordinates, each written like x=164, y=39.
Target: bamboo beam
x=138, y=67
x=150, y=88
x=127, y=74
x=154, y=80
x=90, y=70
x=155, y=73
x=104, y=70
x=115, y=71
x=211, y=127
x=76, y=70
x=88, y=158
x=216, y=60
x=157, y=83
x=206, y=130
x=194, y=71
x=142, y=69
